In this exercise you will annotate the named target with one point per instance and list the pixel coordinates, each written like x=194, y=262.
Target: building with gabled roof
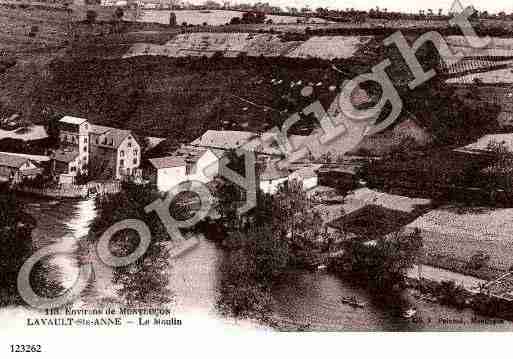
x=272, y=177
x=15, y=168
x=166, y=172
x=227, y=140
x=104, y=152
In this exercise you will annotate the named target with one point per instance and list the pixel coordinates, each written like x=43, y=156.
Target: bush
x=33, y=31
x=479, y=260
x=91, y=16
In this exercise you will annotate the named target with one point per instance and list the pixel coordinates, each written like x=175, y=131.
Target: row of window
x=122, y=162
x=122, y=153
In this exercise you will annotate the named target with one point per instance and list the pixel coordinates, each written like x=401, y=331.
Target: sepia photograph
x=290, y=168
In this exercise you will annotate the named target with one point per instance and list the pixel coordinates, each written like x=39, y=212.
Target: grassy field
x=212, y=17
x=16, y=25
x=460, y=233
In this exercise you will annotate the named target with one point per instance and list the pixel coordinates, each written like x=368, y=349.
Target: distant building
x=307, y=176
x=225, y=140
x=480, y=147
x=343, y=178
x=272, y=178
x=15, y=169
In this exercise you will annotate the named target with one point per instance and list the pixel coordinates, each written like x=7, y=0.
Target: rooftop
x=272, y=172
x=307, y=172
x=12, y=161
x=167, y=162
x=73, y=120
x=372, y=220
x=224, y=139
x=114, y=136
x=36, y=158
x=481, y=145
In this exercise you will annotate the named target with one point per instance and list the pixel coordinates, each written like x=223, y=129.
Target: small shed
x=15, y=169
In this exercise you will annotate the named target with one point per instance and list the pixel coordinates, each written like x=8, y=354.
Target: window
x=121, y=163
x=85, y=139
x=129, y=144
x=85, y=126
x=122, y=153
x=85, y=148
x=135, y=161
x=188, y=168
x=97, y=140
x=73, y=169
x=136, y=152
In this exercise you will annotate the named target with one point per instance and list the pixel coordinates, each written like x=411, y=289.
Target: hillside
x=180, y=97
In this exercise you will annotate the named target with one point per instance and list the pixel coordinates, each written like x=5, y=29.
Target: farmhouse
x=15, y=169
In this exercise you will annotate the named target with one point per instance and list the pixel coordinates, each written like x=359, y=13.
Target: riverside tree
x=146, y=280
x=383, y=262
x=16, y=242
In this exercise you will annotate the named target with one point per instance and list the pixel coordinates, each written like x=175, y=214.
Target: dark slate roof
x=372, y=220
x=167, y=162
x=113, y=135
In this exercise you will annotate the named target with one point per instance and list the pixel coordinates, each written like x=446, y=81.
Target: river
x=301, y=298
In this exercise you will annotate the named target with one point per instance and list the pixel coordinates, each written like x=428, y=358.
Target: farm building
x=343, y=178
x=202, y=163
x=166, y=172
x=272, y=178
x=371, y=221
x=307, y=176
x=15, y=169
x=480, y=147
x=224, y=140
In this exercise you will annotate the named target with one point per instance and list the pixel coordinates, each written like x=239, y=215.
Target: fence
x=74, y=191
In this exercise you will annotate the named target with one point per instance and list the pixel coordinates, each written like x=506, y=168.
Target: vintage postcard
x=299, y=166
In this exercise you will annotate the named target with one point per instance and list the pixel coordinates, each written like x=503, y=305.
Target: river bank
x=302, y=300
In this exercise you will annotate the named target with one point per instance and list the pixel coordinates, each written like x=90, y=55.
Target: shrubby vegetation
x=265, y=243
x=383, y=263
x=146, y=280
x=16, y=242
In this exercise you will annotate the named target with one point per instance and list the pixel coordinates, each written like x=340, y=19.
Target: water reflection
x=300, y=298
